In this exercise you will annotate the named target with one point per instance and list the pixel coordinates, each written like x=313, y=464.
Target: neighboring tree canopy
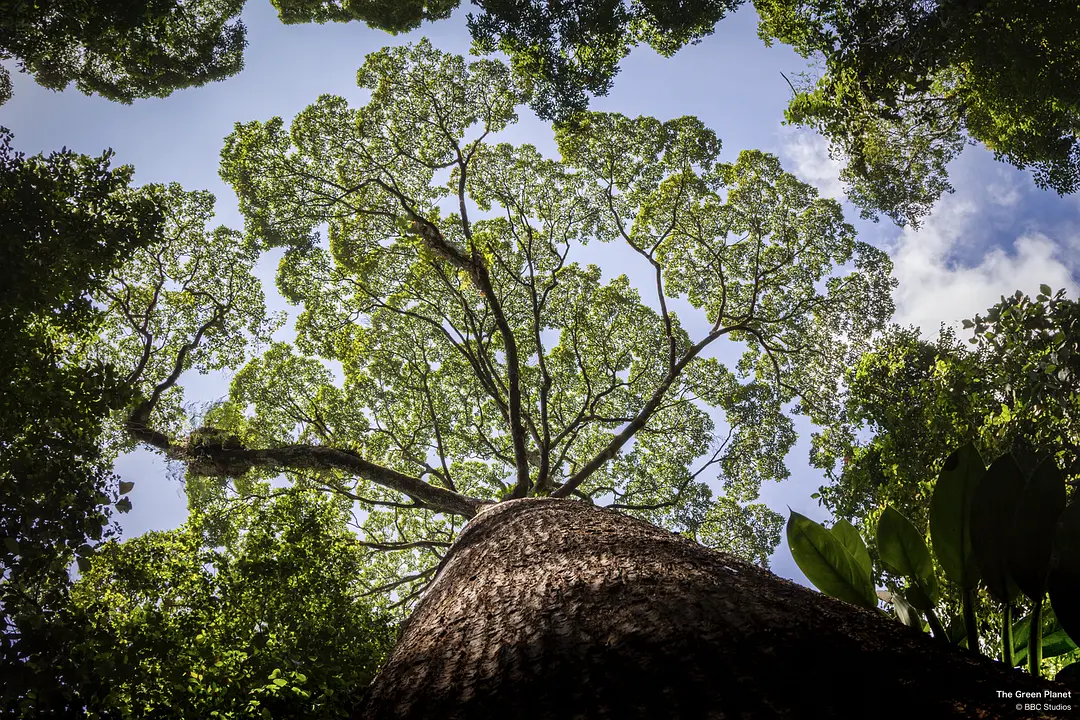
x=906, y=83
x=1015, y=391
x=393, y=16
x=479, y=361
x=66, y=221
x=568, y=51
x=271, y=624
x=122, y=49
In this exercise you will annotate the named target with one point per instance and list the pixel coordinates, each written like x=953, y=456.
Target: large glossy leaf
x=846, y=533
x=950, y=515
x=903, y=551
x=992, y=508
x=1064, y=579
x=827, y=563
x=1055, y=641
x=918, y=597
x=1033, y=528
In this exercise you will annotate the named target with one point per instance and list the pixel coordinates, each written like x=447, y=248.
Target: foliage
x=567, y=51
x=394, y=16
x=1015, y=392
x=273, y=624
x=1013, y=395
x=906, y=84
x=479, y=361
x=564, y=51
x=982, y=531
x=122, y=49
x=66, y=221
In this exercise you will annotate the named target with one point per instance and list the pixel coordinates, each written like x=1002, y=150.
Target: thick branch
x=226, y=456
x=643, y=416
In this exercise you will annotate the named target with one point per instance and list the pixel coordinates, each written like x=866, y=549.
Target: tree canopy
x=451, y=352
x=903, y=86
x=271, y=623
x=67, y=221
x=122, y=49
x=906, y=84
x=1014, y=392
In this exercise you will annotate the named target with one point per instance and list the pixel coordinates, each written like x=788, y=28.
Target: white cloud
x=806, y=155
x=1005, y=191
x=935, y=287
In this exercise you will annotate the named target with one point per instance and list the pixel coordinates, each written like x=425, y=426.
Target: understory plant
x=992, y=529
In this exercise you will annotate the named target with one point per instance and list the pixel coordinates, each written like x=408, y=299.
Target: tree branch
x=643, y=416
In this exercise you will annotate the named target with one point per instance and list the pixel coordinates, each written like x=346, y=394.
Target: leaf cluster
x=66, y=221
x=994, y=527
x=122, y=49
x=907, y=84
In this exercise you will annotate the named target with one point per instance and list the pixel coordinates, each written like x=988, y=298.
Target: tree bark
x=555, y=609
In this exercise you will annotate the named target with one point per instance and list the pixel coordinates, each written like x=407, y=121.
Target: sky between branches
x=996, y=234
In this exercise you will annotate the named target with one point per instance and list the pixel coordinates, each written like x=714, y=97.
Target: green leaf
x=1055, y=640
x=281, y=682
x=992, y=508
x=846, y=533
x=1032, y=531
x=126, y=486
x=917, y=597
x=957, y=632
x=1046, y=289
x=827, y=563
x=83, y=563
x=11, y=544
x=123, y=505
x=950, y=515
x=903, y=552
x=1064, y=580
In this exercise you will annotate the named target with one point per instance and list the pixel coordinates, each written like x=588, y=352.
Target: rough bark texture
x=555, y=609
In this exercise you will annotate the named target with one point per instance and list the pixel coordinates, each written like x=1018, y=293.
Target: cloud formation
x=990, y=238
x=806, y=155
x=937, y=286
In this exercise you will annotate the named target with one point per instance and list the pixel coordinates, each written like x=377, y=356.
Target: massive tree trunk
x=556, y=609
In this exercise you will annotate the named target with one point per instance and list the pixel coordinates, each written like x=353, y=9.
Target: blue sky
x=996, y=234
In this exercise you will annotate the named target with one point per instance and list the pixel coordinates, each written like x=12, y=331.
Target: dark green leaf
x=827, y=563
x=1064, y=580
x=957, y=632
x=992, y=507
x=126, y=486
x=1032, y=531
x=124, y=505
x=1045, y=289
x=903, y=551
x=917, y=597
x=846, y=533
x=1055, y=641
x=950, y=515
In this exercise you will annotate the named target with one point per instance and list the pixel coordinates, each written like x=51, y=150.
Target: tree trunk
x=556, y=609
